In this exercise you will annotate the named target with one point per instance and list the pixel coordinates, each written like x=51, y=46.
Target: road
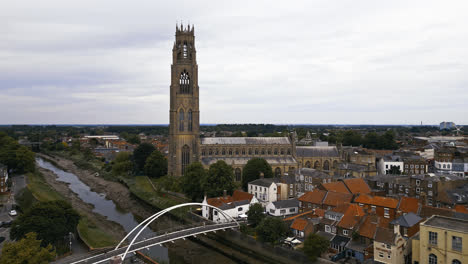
x=17, y=183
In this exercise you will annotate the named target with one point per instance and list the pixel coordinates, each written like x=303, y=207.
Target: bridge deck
x=100, y=258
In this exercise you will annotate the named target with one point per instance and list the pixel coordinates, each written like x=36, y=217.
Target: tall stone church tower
x=184, y=114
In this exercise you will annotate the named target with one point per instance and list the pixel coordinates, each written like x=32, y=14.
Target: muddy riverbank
x=183, y=251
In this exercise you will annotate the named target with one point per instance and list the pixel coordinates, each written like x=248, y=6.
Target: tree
x=371, y=140
x=220, y=177
x=141, y=153
x=27, y=251
x=133, y=139
x=272, y=229
x=122, y=164
x=352, y=138
x=156, y=165
x=315, y=246
x=51, y=221
x=252, y=171
x=14, y=156
x=25, y=160
x=192, y=181
x=255, y=214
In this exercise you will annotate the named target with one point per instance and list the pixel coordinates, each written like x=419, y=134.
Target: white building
x=236, y=206
x=385, y=164
x=283, y=207
x=266, y=190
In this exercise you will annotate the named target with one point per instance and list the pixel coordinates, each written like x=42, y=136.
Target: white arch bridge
x=120, y=252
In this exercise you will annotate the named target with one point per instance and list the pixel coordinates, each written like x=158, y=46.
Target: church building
x=185, y=144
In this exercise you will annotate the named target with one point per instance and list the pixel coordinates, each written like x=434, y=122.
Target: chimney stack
x=262, y=175
x=224, y=194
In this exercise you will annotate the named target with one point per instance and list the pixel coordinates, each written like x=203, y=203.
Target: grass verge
x=40, y=189
x=93, y=236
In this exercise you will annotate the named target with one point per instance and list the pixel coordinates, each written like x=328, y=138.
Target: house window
x=429, y=184
x=456, y=243
x=283, y=211
x=418, y=190
x=373, y=208
x=433, y=238
x=386, y=212
x=381, y=254
x=292, y=210
x=389, y=246
x=327, y=229
x=432, y=259
x=239, y=209
x=418, y=182
x=388, y=256
x=272, y=211
x=429, y=193
x=345, y=232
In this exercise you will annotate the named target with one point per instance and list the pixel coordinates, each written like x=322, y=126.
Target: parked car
x=7, y=223
x=13, y=213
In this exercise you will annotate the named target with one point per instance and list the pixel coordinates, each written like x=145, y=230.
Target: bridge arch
x=152, y=218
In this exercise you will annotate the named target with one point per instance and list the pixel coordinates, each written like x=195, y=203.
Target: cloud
x=323, y=62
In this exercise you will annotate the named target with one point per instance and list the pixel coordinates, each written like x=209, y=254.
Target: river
x=103, y=206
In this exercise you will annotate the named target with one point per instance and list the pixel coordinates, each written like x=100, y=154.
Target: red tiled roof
x=319, y=212
x=369, y=226
x=409, y=204
x=299, y=224
x=315, y=196
x=461, y=209
x=337, y=198
x=357, y=185
x=427, y=211
x=377, y=201
x=236, y=196
x=338, y=186
x=352, y=216
x=308, y=213
x=218, y=201
x=341, y=208
x=364, y=199
x=241, y=196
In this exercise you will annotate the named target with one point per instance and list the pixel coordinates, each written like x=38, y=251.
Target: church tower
x=184, y=114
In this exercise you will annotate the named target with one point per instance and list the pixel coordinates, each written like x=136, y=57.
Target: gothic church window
x=181, y=120
x=243, y=151
x=230, y=152
x=326, y=165
x=184, y=83
x=189, y=120
x=317, y=165
x=223, y=152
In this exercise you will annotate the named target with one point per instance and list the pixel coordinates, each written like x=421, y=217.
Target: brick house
x=382, y=206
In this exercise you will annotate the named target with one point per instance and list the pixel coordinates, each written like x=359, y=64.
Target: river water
x=103, y=206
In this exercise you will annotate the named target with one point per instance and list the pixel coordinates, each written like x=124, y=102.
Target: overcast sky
x=284, y=62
